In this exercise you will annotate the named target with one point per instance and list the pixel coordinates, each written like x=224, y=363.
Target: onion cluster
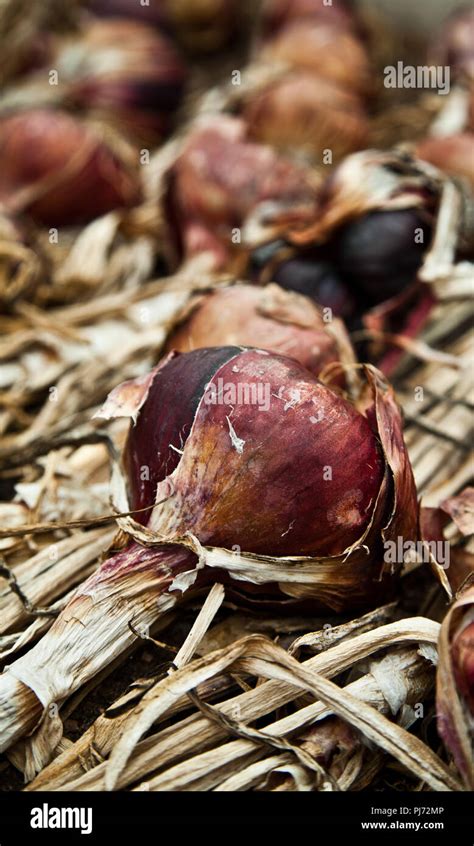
x=317, y=102
x=123, y=72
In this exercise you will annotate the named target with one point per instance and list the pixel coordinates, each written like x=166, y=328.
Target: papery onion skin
x=271, y=496
x=59, y=170
x=166, y=419
x=270, y=317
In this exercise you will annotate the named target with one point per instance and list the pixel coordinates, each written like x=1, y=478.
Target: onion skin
x=454, y=154
x=124, y=73
x=317, y=277
x=378, y=253
x=59, y=171
x=306, y=112
x=163, y=427
x=213, y=186
x=455, y=684
x=323, y=50
x=268, y=500
x=276, y=320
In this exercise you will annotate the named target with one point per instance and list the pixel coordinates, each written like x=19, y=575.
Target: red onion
x=59, y=170
x=309, y=113
x=276, y=320
x=311, y=272
x=220, y=178
x=379, y=253
x=299, y=471
x=324, y=50
x=263, y=491
x=123, y=72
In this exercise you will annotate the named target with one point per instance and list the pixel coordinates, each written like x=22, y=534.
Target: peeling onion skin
x=165, y=420
x=248, y=315
x=58, y=170
x=269, y=495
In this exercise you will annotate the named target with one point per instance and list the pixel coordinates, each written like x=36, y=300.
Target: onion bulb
x=59, y=170
x=275, y=319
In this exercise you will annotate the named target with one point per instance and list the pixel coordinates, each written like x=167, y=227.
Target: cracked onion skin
x=59, y=171
x=271, y=497
x=276, y=320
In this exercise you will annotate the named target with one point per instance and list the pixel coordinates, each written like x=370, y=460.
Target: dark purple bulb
x=381, y=252
x=318, y=279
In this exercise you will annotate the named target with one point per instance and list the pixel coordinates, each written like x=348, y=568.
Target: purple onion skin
x=311, y=273
x=268, y=493
x=377, y=254
x=165, y=420
x=319, y=280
